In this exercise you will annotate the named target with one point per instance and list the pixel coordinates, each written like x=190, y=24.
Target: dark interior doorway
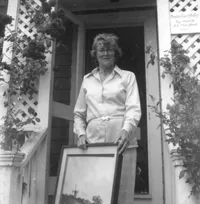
x=131, y=40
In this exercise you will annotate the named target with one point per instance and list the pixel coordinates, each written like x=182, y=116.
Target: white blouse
x=115, y=102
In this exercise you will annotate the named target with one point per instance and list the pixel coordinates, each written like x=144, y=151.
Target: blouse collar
x=96, y=70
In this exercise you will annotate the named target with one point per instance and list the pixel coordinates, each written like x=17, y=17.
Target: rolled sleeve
x=133, y=109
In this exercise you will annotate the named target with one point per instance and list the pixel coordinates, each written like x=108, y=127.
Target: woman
x=108, y=105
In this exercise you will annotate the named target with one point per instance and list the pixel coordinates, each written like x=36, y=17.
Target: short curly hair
x=108, y=40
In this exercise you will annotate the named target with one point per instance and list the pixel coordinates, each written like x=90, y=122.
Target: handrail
x=32, y=144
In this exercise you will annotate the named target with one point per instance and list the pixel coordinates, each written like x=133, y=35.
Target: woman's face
x=105, y=55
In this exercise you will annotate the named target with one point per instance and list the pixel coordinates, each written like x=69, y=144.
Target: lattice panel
x=27, y=28
x=25, y=25
x=190, y=42
x=183, y=5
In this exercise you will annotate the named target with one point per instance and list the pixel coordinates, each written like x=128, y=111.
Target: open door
x=68, y=74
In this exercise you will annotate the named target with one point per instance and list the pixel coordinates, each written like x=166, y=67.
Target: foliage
x=97, y=199
x=27, y=64
x=182, y=119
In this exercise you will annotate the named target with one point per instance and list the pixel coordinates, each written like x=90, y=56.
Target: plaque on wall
x=185, y=22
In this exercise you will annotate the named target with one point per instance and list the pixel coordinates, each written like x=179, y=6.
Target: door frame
x=119, y=19
x=155, y=150
x=61, y=110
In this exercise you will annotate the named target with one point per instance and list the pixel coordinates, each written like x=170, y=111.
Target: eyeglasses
x=109, y=51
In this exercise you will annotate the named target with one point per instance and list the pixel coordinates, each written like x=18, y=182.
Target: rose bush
x=27, y=65
x=181, y=121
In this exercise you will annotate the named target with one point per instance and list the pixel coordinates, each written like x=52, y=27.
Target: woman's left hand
x=123, y=142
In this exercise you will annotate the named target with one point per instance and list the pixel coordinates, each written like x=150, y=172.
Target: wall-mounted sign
x=186, y=22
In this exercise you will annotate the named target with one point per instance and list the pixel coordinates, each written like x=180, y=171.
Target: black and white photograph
x=90, y=75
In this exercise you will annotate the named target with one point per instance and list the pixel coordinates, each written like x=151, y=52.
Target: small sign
x=186, y=22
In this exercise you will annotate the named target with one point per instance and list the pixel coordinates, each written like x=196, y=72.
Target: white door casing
x=61, y=110
x=148, y=20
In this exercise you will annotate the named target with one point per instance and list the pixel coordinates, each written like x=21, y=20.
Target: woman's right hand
x=82, y=142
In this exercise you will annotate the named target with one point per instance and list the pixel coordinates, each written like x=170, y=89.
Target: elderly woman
x=108, y=105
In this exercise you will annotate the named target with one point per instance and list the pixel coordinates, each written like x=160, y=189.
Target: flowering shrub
x=27, y=65
x=4, y=20
x=182, y=118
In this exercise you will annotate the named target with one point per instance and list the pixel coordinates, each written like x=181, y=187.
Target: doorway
x=131, y=41
x=136, y=29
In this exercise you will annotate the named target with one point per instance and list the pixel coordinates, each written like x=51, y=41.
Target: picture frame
x=90, y=176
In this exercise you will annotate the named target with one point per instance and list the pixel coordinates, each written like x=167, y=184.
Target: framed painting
x=89, y=176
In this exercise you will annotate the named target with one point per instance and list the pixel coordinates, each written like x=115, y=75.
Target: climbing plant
x=181, y=120
x=27, y=64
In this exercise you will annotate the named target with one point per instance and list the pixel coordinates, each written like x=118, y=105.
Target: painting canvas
x=89, y=176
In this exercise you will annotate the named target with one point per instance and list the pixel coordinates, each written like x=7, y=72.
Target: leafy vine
x=182, y=118
x=28, y=63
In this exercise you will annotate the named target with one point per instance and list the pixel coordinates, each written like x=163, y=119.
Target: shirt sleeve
x=80, y=114
x=133, y=109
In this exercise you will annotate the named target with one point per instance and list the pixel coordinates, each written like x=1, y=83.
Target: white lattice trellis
x=190, y=42
x=26, y=27
x=183, y=5
x=24, y=20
